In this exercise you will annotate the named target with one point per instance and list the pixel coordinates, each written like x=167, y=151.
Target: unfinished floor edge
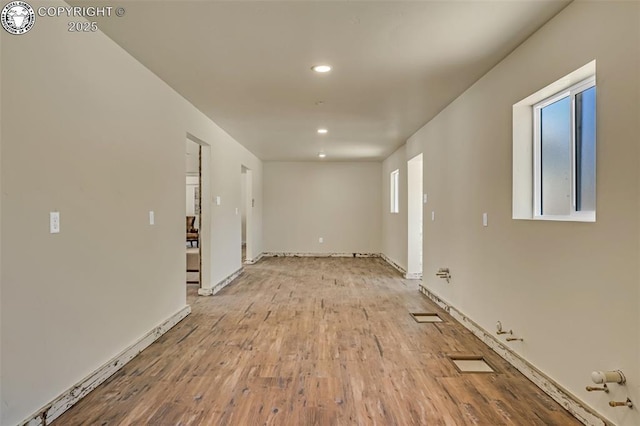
x=393, y=264
x=254, y=260
x=296, y=254
x=380, y=255
x=222, y=284
x=71, y=396
x=578, y=409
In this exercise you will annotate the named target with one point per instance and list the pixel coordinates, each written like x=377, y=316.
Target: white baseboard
x=394, y=264
x=573, y=405
x=67, y=399
x=254, y=260
x=292, y=254
x=222, y=284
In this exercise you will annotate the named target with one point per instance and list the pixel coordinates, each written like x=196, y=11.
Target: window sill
x=585, y=217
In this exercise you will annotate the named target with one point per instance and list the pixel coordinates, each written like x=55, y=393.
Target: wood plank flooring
x=314, y=341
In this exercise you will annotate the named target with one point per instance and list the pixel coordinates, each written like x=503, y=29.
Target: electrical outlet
x=152, y=218
x=321, y=240
x=54, y=222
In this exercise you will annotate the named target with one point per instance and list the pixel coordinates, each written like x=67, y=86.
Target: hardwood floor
x=314, y=341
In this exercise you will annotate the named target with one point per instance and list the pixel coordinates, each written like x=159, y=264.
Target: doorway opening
x=414, y=219
x=193, y=217
x=198, y=171
x=246, y=209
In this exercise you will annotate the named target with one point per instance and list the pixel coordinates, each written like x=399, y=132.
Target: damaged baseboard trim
x=394, y=264
x=254, y=260
x=222, y=284
x=413, y=275
x=291, y=254
x=572, y=404
x=67, y=399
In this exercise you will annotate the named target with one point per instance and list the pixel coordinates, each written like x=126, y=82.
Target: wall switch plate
x=321, y=240
x=424, y=198
x=433, y=216
x=237, y=211
x=152, y=217
x=218, y=200
x=54, y=222
x=485, y=219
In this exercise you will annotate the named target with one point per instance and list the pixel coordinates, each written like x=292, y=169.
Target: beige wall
x=394, y=225
x=337, y=201
x=1, y=197
x=90, y=132
x=243, y=207
x=571, y=290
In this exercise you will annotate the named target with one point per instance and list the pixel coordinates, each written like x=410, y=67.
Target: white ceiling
x=395, y=64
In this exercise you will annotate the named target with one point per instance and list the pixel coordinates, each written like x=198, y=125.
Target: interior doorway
x=414, y=219
x=193, y=214
x=246, y=210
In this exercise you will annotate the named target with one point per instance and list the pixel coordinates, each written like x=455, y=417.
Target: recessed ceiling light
x=322, y=155
x=322, y=131
x=321, y=68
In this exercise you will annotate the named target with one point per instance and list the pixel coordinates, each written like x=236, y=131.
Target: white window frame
x=574, y=215
x=394, y=190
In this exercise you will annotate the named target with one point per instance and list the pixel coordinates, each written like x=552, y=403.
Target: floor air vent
x=426, y=317
x=471, y=364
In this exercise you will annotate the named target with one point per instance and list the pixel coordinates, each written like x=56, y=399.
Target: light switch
x=152, y=218
x=237, y=211
x=321, y=240
x=424, y=198
x=54, y=222
x=433, y=216
x=218, y=201
x=485, y=219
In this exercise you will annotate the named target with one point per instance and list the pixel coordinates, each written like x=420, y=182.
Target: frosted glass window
x=565, y=154
x=586, y=150
x=555, y=150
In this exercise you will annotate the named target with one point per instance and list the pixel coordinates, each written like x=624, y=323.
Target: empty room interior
x=396, y=212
